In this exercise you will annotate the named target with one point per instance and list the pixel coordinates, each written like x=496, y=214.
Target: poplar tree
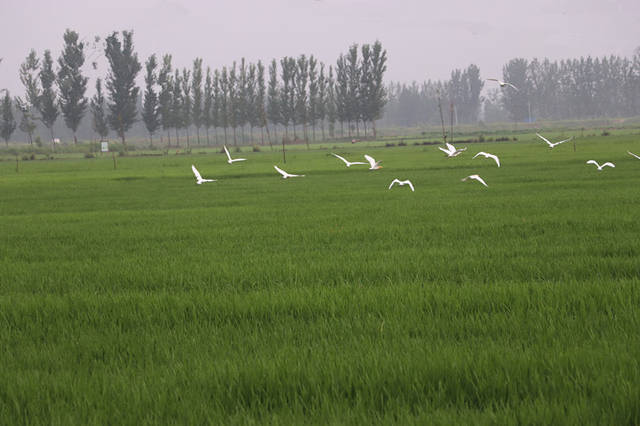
x=288, y=93
x=207, y=104
x=176, y=104
x=251, y=99
x=321, y=100
x=261, y=93
x=341, y=93
x=99, y=115
x=232, y=102
x=187, y=102
x=353, y=86
x=273, y=96
x=48, y=100
x=377, y=91
x=224, y=108
x=165, y=97
x=217, y=108
x=312, y=113
x=301, y=78
x=8, y=124
x=331, y=103
x=150, y=109
x=121, y=83
x=196, y=88
x=71, y=83
x=29, y=77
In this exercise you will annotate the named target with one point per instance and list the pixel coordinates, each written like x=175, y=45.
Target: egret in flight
x=375, y=165
x=229, y=159
x=285, y=174
x=348, y=163
x=487, y=155
x=502, y=83
x=476, y=177
x=401, y=183
x=451, y=150
x=552, y=144
x=600, y=167
x=199, y=179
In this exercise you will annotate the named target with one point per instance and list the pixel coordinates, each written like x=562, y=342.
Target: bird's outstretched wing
x=479, y=179
x=566, y=140
x=393, y=182
x=195, y=172
x=544, y=139
x=443, y=150
x=450, y=147
x=608, y=164
x=509, y=84
x=282, y=172
x=492, y=79
x=632, y=154
x=342, y=158
x=408, y=182
x=371, y=160
x=593, y=162
x=480, y=153
x=227, y=152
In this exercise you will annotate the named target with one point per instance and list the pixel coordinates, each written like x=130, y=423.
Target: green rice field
x=134, y=296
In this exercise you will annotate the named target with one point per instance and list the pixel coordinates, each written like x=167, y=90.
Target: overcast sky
x=424, y=39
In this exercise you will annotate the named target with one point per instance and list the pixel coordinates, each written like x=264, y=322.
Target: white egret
x=487, y=155
x=348, y=163
x=502, y=83
x=476, y=177
x=199, y=179
x=285, y=174
x=229, y=159
x=552, y=144
x=375, y=165
x=600, y=167
x=401, y=183
x=451, y=150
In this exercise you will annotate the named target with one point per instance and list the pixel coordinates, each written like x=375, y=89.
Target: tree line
x=550, y=90
x=300, y=96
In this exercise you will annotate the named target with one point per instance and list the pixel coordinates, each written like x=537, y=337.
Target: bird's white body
x=375, y=165
x=451, y=150
x=348, y=163
x=487, y=155
x=199, y=179
x=552, y=144
x=600, y=167
x=229, y=159
x=476, y=177
x=402, y=183
x=633, y=155
x=285, y=174
x=502, y=83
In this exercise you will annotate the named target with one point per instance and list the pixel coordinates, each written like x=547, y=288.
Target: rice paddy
x=135, y=296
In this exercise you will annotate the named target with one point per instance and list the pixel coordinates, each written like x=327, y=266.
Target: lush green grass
x=134, y=296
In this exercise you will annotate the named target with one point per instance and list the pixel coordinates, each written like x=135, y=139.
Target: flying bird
x=551, y=144
x=633, y=155
x=231, y=160
x=375, y=165
x=502, y=83
x=402, y=183
x=600, y=167
x=476, y=177
x=199, y=179
x=451, y=150
x=487, y=155
x=285, y=174
x=348, y=163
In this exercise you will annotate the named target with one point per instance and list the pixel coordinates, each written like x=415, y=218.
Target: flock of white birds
x=450, y=151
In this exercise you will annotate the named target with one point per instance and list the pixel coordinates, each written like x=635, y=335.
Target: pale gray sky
x=424, y=39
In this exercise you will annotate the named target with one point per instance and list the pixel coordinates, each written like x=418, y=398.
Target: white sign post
x=104, y=146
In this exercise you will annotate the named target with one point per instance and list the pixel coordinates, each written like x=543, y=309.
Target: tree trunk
x=75, y=139
x=187, y=130
x=177, y=139
x=225, y=135
x=198, y=135
x=235, y=139
x=208, y=141
x=373, y=125
x=168, y=138
x=151, y=140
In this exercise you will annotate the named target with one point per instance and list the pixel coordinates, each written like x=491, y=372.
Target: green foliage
x=8, y=123
x=99, y=122
x=48, y=100
x=121, y=82
x=165, y=98
x=71, y=83
x=150, y=107
x=196, y=88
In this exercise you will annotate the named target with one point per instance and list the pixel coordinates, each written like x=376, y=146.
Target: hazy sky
x=424, y=39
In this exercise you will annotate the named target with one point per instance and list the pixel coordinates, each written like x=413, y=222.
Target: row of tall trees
x=302, y=95
x=551, y=90
x=573, y=88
